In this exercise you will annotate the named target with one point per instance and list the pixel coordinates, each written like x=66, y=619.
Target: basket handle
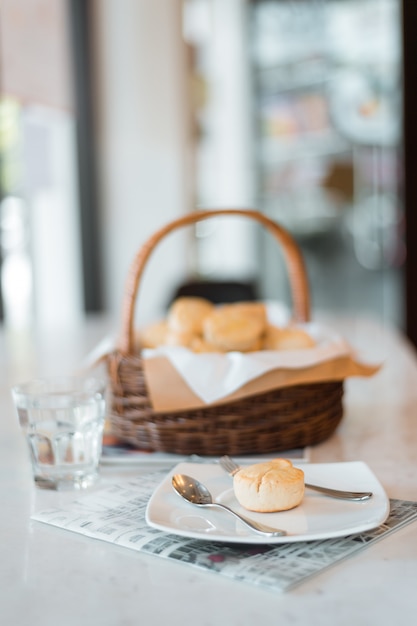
x=292, y=255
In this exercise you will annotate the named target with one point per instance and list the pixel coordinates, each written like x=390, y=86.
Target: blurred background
x=117, y=117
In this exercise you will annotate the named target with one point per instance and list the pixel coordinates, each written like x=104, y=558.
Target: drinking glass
x=63, y=421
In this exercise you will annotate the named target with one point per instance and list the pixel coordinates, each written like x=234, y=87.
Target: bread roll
x=288, y=338
x=199, y=325
x=231, y=328
x=176, y=338
x=152, y=335
x=271, y=337
x=250, y=309
x=200, y=346
x=186, y=314
x=270, y=486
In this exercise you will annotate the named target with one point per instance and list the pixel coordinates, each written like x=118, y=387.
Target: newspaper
x=119, y=453
x=116, y=514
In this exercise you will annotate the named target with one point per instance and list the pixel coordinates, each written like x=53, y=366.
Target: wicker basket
x=273, y=421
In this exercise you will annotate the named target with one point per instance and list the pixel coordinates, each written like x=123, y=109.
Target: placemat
x=116, y=514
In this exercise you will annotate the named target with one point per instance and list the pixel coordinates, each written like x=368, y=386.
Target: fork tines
x=229, y=465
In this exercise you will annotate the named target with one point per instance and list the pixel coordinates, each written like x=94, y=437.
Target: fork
x=231, y=467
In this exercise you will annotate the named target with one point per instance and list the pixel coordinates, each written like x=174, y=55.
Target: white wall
x=143, y=142
x=227, y=173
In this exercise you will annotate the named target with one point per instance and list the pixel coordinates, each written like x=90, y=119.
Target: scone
x=270, y=486
x=200, y=346
x=249, y=308
x=176, y=338
x=152, y=335
x=231, y=328
x=186, y=314
x=271, y=337
x=289, y=338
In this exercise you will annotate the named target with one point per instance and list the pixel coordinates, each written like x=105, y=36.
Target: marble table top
x=51, y=576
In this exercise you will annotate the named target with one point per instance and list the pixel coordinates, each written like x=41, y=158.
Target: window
x=48, y=242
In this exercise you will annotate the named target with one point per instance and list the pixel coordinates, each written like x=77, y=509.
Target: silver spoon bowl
x=195, y=492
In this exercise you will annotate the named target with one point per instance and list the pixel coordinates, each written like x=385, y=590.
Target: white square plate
x=317, y=517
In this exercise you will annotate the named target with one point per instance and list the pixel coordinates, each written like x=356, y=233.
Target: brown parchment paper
x=169, y=391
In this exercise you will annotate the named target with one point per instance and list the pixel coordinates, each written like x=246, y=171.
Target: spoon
x=195, y=492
